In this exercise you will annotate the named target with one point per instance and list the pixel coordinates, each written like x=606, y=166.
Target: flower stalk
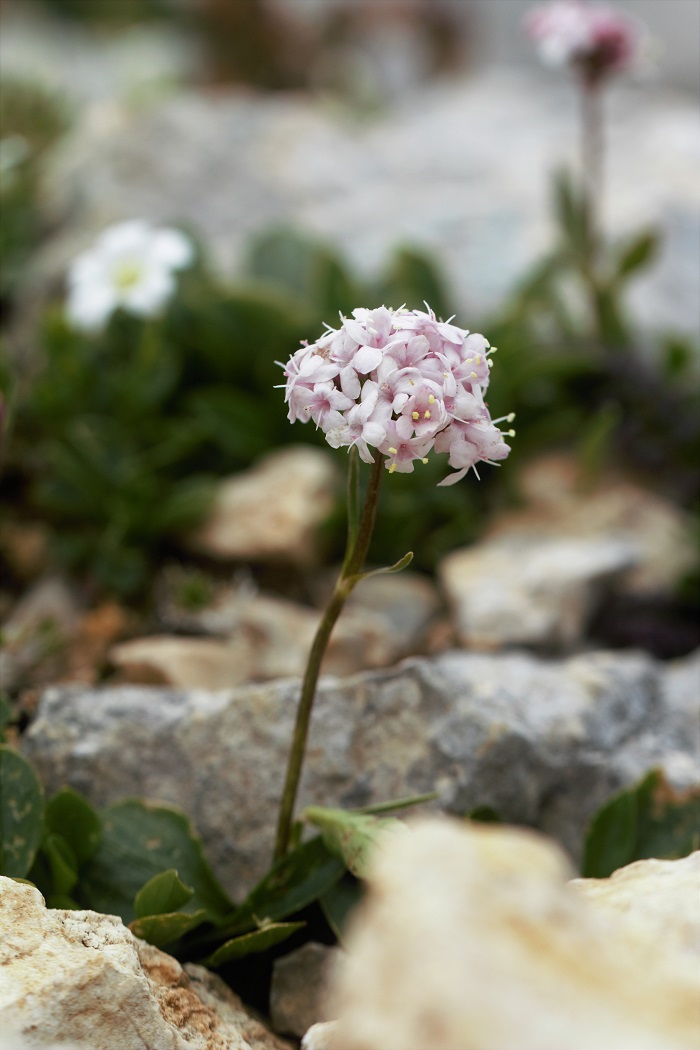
x=359, y=536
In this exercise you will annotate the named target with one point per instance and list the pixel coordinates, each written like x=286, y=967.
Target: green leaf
x=256, y=942
x=637, y=253
x=398, y=803
x=339, y=903
x=162, y=894
x=21, y=813
x=572, y=213
x=63, y=864
x=167, y=927
x=351, y=836
x=649, y=819
x=485, y=815
x=142, y=839
x=70, y=815
x=293, y=882
x=402, y=563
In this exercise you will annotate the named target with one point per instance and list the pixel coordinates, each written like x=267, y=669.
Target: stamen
x=415, y=415
x=392, y=468
x=426, y=414
x=393, y=451
x=431, y=399
x=424, y=460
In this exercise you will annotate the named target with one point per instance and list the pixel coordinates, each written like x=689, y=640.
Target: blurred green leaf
x=167, y=927
x=650, y=819
x=140, y=840
x=339, y=902
x=414, y=279
x=70, y=815
x=261, y=940
x=63, y=864
x=164, y=893
x=636, y=254
x=294, y=882
x=21, y=813
x=351, y=836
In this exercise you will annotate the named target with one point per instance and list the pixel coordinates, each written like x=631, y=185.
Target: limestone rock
x=184, y=662
x=470, y=938
x=272, y=511
x=298, y=990
x=560, y=505
x=657, y=898
x=543, y=742
x=84, y=977
x=530, y=590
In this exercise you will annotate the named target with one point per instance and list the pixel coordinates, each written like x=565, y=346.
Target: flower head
x=131, y=265
x=401, y=382
x=593, y=39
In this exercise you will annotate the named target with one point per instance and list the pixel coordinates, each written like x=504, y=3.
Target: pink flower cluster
x=401, y=382
x=594, y=39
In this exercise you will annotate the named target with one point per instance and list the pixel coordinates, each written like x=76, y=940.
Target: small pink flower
x=401, y=382
x=593, y=39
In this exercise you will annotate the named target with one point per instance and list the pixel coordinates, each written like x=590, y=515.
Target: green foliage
x=649, y=819
x=353, y=837
x=269, y=935
x=21, y=813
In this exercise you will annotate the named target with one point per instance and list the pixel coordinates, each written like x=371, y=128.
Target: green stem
x=352, y=566
x=592, y=154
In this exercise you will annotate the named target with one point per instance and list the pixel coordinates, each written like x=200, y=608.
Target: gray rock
x=526, y=590
x=43, y=620
x=298, y=990
x=543, y=742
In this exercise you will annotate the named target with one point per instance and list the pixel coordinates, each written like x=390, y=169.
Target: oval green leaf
x=162, y=894
x=21, y=813
x=164, y=929
x=70, y=815
x=253, y=943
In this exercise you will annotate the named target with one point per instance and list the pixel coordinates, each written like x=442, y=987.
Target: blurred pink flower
x=595, y=40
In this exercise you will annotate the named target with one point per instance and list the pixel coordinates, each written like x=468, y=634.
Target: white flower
x=132, y=266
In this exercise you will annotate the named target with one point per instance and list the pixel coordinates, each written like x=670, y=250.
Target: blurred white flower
x=132, y=265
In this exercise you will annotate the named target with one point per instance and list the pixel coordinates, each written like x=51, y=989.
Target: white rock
x=560, y=505
x=186, y=662
x=471, y=939
x=84, y=977
x=529, y=590
x=273, y=511
x=658, y=898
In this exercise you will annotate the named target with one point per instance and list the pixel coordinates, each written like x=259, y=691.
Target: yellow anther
x=470, y=360
x=478, y=359
x=426, y=414
x=424, y=460
x=472, y=375
x=412, y=382
x=392, y=468
x=393, y=451
x=415, y=415
x=431, y=399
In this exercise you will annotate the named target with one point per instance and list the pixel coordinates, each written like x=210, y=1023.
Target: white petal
x=150, y=294
x=89, y=305
x=171, y=248
x=125, y=238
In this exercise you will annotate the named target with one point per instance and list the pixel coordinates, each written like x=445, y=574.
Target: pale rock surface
x=543, y=742
x=523, y=589
x=84, y=977
x=268, y=637
x=185, y=662
x=299, y=987
x=471, y=939
x=659, y=899
x=561, y=504
x=272, y=511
